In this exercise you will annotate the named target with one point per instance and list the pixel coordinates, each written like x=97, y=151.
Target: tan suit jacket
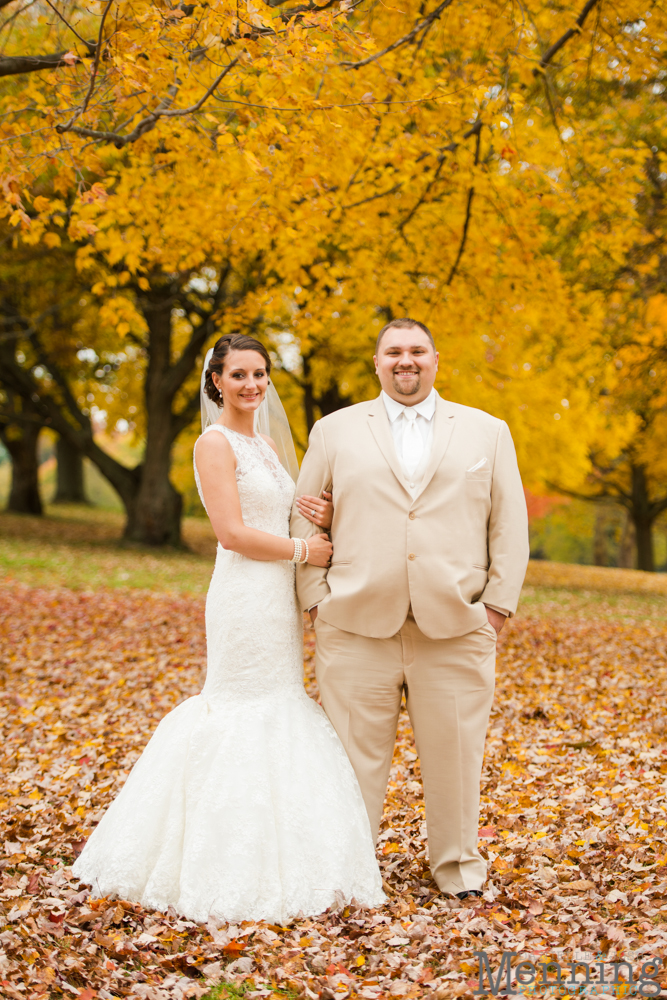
x=462, y=541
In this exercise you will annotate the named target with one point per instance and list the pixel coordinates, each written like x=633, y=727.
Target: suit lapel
x=442, y=434
x=378, y=422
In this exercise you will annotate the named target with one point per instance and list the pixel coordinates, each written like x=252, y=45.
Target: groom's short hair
x=404, y=324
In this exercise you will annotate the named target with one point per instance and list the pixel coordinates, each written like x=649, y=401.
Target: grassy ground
x=624, y=595
x=79, y=547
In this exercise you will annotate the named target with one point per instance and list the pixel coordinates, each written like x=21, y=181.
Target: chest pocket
x=477, y=484
x=481, y=470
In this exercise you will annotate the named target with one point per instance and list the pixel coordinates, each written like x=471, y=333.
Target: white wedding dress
x=243, y=806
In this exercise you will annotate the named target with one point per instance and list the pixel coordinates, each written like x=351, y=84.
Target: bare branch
x=93, y=75
x=373, y=197
x=15, y=65
x=163, y=110
x=23, y=419
x=425, y=193
x=66, y=22
x=180, y=370
x=60, y=380
x=406, y=39
x=16, y=13
x=304, y=8
x=27, y=328
x=476, y=130
x=557, y=46
x=185, y=417
x=617, y=494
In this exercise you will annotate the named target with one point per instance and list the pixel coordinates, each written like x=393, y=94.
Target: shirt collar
x=425, y=409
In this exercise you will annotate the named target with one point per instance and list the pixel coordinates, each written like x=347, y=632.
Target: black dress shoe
x=469, y=894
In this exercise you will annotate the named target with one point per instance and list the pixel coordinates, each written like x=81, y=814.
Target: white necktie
x=413, y=445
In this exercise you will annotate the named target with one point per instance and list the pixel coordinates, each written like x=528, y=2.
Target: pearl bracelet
x=300, y=550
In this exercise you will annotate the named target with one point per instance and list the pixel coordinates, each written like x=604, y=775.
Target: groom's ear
x=375, y=362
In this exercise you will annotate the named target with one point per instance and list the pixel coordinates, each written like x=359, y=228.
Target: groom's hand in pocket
x=495, y=618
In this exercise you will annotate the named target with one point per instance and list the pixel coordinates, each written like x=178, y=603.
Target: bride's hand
x=320, y=550
x=319, y=510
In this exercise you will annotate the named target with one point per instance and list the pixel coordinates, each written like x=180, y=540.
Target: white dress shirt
x=412, y=459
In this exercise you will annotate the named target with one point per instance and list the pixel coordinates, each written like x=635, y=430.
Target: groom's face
x=406, y=365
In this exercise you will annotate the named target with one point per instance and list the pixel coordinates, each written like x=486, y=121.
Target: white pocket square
x=478, y=465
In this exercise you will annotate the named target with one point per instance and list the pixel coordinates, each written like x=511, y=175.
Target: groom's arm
x=315, y=476
x=509, y=547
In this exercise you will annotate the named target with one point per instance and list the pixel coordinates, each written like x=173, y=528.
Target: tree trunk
x=308, y=402
x=69, y=480
x=327, y=402
x=152, y=504
x=155, y=516
x=600, y=554
x=643, y=518
x=332, y=400
x=20, y=440
x=627, y=548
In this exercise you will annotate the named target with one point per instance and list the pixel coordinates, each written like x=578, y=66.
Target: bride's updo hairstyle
x=230, y=342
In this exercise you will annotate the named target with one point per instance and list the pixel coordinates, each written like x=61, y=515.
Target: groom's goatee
x=411, y=388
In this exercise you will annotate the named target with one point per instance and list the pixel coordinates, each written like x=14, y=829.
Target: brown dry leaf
x=573, y=806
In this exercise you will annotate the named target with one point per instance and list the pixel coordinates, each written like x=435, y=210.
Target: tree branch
x=16, y=378
x=93, y=75
x=183, y=419
x=405, y=40
x=163, y=110
x=180, y=370
x=16, y=65
x=373, y=197
x=451, y=148
x=66, y=22
x=304, y=8
x=476, y=130
x=557, y=46
x=602, y=494
x=61, y=382
x=420, y=201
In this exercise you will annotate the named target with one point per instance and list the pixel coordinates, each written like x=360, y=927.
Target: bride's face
x=244, y=380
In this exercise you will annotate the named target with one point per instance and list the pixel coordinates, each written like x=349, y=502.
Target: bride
x=243, y=806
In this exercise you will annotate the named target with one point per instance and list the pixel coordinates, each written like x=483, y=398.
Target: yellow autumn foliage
x=494, y=171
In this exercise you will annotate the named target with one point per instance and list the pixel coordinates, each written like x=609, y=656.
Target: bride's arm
x=216, y=466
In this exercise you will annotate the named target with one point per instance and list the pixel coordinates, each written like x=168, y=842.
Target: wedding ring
x=313, y=513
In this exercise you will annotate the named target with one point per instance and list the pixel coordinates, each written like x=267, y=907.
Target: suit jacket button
x=411, y=556
x=412, y=515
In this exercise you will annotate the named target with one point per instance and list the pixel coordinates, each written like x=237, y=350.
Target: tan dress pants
x=449, y=686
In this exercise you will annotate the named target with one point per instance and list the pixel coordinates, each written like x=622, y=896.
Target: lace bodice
x=266, y=489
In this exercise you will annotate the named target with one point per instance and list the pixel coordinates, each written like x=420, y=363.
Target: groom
x=430, y=537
